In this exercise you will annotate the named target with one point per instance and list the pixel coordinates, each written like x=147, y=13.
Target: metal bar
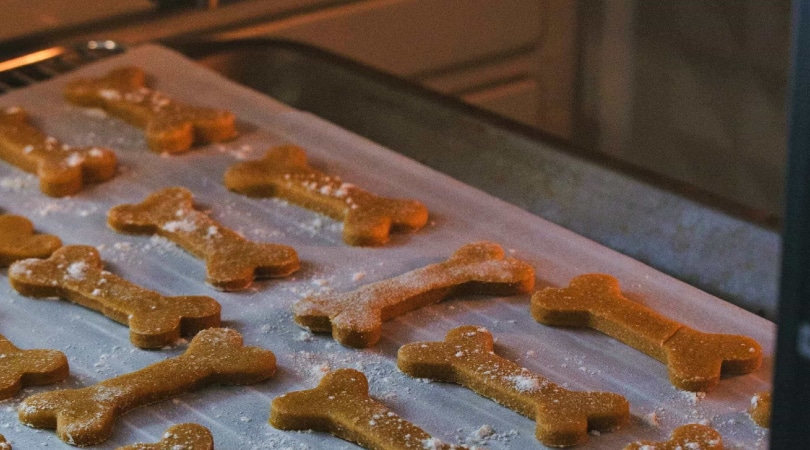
x=790, y=414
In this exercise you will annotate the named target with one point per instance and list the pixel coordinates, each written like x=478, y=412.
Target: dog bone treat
x=341, y=405
x=62, y=169
x=18, y=241
x=284, y=172
x=170, y=126
x=185, y=436
x=76, y=273
x=86, y=416
x=466, y=357
x=760, y=410
x=687, y=437
x=28, y=368
x=3, y=444
x=694, y=359
x=231, y=261
x=355, y=318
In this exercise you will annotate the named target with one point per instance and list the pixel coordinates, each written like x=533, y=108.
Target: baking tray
x=99, y=348
x=721, y=247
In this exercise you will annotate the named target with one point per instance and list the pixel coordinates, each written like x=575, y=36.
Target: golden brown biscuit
x=355, y=318
x=694, y=359
x=62, y=169
x=466, y=357
x=86, y=416
x=184, y=436
x=18, y=241
x=231, y=261
x=170, y=126
x=77, y=274
x=285, y=173
x=760, y=410
x=28, y=367
x=3, y=444
x=341, y=405
x=687, y=437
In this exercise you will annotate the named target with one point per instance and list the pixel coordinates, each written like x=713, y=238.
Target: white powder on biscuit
x=180, y=225
x=76, y=270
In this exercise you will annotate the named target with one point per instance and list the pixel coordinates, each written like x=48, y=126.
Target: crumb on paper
x=486, y=434
x=357, y=276
x=18, y=183
x=651, y=419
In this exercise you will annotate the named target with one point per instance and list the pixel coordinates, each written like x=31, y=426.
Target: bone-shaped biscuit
x=20, y=368
x=184, y=436
x=18, y=241
x=86, y=416
x=341, y=405
x=760, y=410
x=694, y=359
x=170, y=126
x=231, y=261
x=355, y=318
x=62, y=169
x=687, y=437
x=284, y=172
x=466, y=357
x=76, y=273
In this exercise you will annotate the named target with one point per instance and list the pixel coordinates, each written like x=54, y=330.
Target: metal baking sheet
x=723, y=248
x=237, y=416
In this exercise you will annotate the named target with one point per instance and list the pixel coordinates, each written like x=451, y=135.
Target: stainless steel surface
x=675, y=228
x=791, y=393
x=44, y=64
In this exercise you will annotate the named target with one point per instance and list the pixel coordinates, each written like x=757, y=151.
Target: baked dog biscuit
x=760, y=410
x=76, y=273
x=185, y=436
x=355, y=318
x=692, y=437
x=3, y=444
x=18, y=241
x=170, y=126
x=695, y=360
x=86, y=416
x=62, y=169
x=466, y=357
x=285, y=173
x=28, y=368
x=341, y=405
x=231, y=261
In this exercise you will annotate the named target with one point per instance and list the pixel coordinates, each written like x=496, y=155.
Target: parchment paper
x=99, y=348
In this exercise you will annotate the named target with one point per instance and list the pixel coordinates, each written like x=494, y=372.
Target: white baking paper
x=99, y=348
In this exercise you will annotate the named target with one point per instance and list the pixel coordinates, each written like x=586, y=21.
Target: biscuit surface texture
x=695, y=360
x=86, y=416
x=18, y=240
x=62, y=170
x=341, y=405
x=184, y=436
x=466, y=357
x=232, y=262
x=284, y=173
x=76, y=273
x=170, y=126
x=760, y=409
x=29, y=368
x=355, y=318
